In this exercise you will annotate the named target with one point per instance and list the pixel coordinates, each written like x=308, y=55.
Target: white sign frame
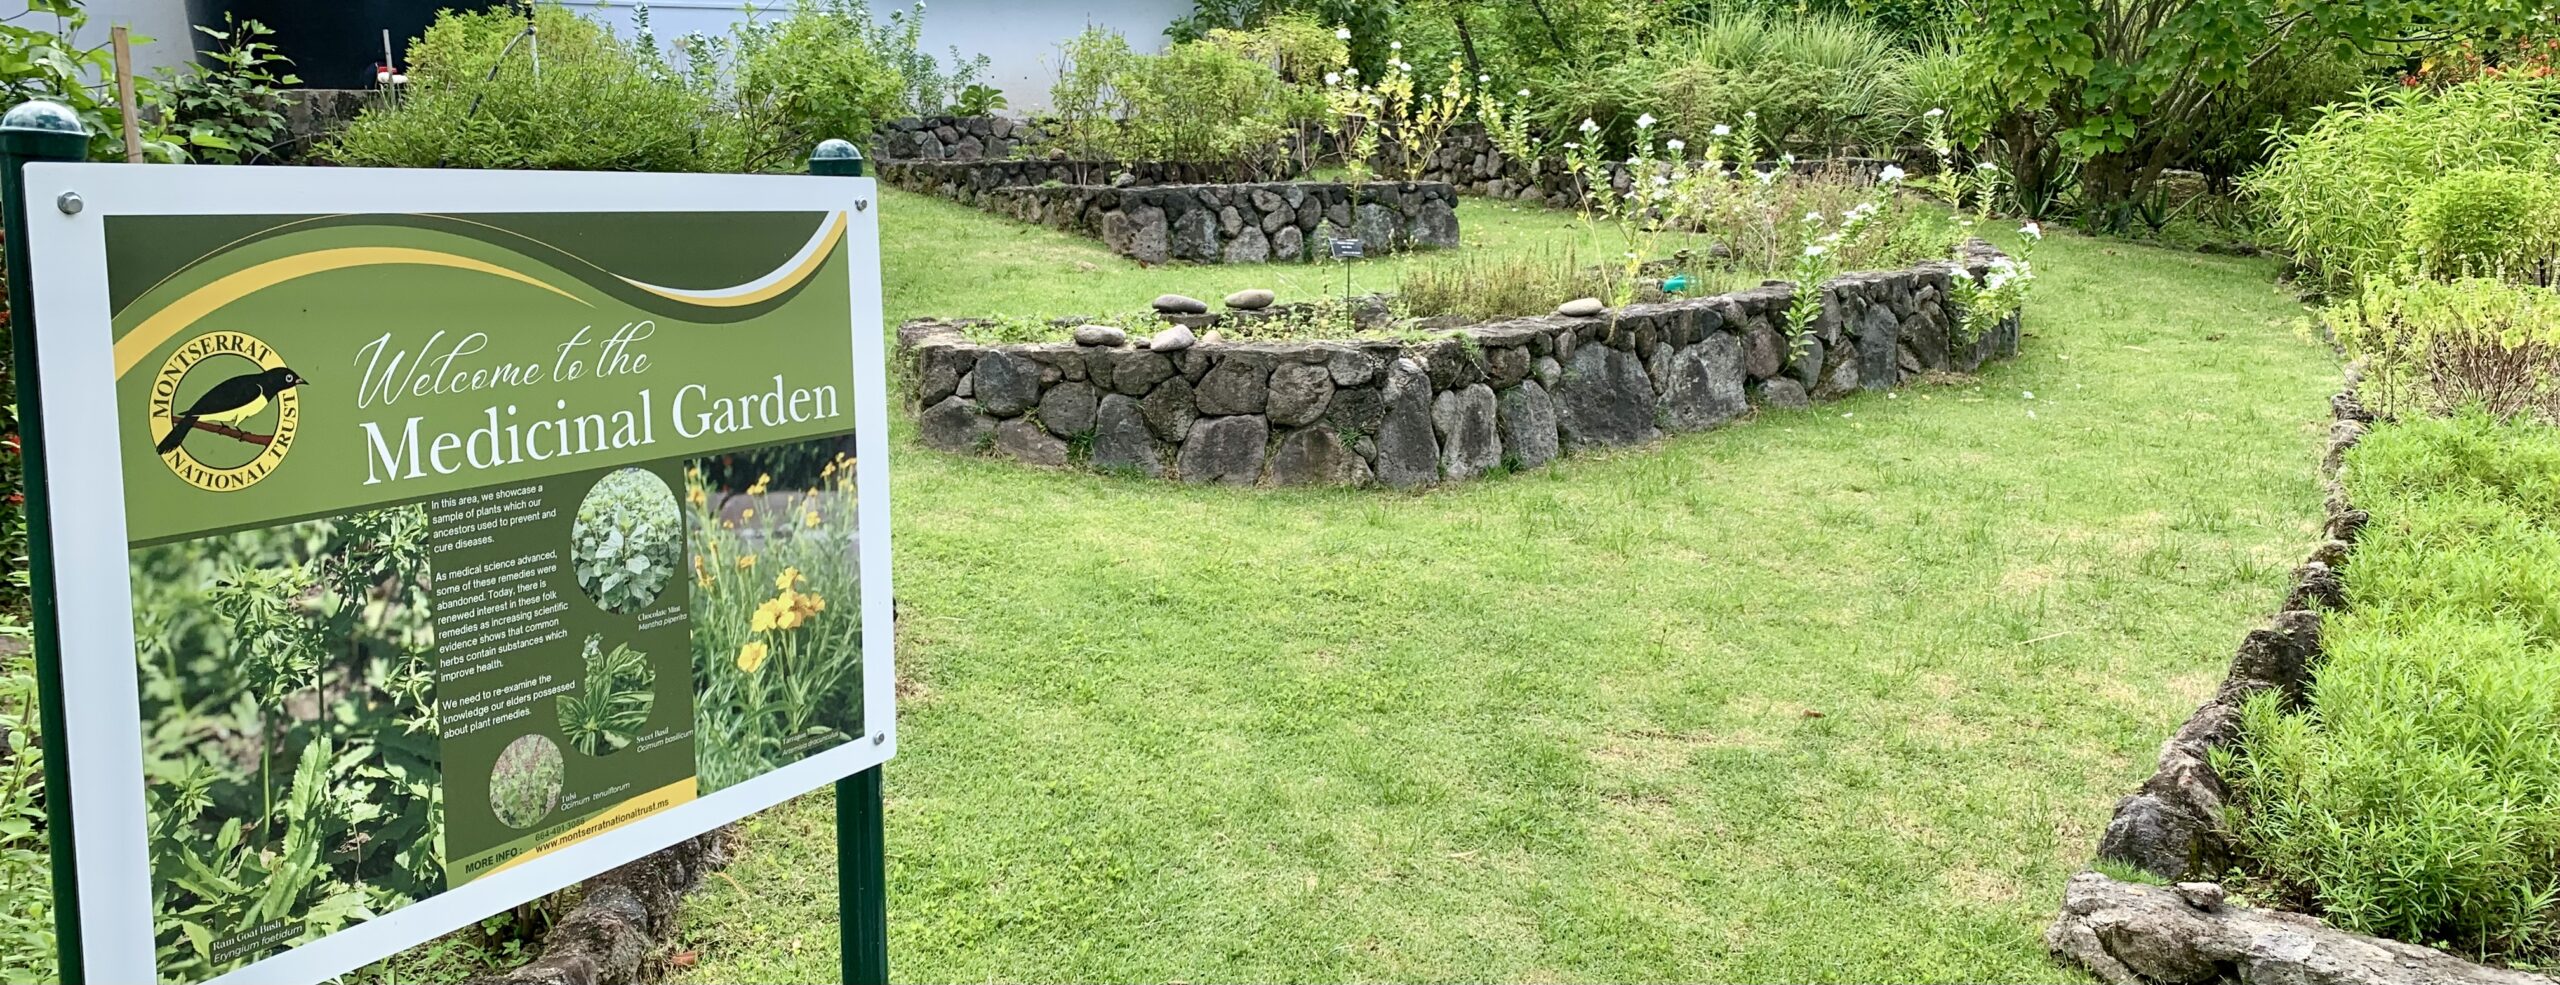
x=90, y=542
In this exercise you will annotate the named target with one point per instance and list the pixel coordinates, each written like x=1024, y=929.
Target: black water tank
x=335, y=44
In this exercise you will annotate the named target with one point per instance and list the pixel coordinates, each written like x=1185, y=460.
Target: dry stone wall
x=1511, y=394
x=1158, y=211
x=955, y=138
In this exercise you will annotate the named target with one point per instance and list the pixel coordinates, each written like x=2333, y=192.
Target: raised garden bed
x=956, y=138
x=2178, y=826
x=1501, y=395
x=1154, y=212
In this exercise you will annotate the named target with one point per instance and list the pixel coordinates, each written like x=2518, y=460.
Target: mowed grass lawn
x=1840, y=694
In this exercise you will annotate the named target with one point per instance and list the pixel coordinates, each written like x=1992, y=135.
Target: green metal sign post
x=862, y=898
x=42, y=131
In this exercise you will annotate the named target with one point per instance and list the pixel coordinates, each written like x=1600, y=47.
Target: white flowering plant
x=1416, y=122
x=2001, y=292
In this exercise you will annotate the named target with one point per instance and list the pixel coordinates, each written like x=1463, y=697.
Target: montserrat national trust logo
x=223, y=411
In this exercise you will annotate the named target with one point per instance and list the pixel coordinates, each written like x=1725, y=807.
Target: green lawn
x=1839, y=694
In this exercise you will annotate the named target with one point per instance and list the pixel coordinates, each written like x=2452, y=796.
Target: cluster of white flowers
x=1645, y=122
x=1721, y=130
x=1590, y=126
x=2002, y=272
x=1676, y=144
x=1342, y=34
x=1891, y=173
x=2032, y=230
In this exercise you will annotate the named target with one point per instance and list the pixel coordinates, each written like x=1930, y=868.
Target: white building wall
x=163, y=21
x=1020, y=39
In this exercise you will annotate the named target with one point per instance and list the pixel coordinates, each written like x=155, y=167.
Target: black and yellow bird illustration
x=230, y=402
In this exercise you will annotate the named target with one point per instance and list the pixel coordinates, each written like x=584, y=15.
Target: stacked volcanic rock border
x=2172, y=826
x=956, y=138
x=1511, y=394
x=1154, y=212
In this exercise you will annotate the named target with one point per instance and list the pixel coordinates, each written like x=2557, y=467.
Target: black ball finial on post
x=836, y=159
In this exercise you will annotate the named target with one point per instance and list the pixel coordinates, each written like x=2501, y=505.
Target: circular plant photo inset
x=611, y=705
x=626, y=540
x=524, y=786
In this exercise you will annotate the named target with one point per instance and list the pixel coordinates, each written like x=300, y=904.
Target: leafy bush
x=473, y=102
x=231, y=109
x=816, y=74
x=2338, y=194
x=2418, y=796
x=1815, y=83
x=40, y=61
x=613, y=699
x=2434, y=347
x=2486, y=223
x=1822, y=83
x=1199, y=101
x=623, y=543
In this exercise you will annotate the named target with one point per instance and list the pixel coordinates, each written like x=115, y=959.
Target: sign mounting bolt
x=69, y=203
x=879, y=738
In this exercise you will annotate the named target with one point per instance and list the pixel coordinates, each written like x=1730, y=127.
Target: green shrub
x=1199, y=101
x=816, y=74
x=2419, y=795
x=473, y=102
x=2434, y=347
x=1815, y=83
x=229, y=109
x=2338, y=194
x=2503, y=223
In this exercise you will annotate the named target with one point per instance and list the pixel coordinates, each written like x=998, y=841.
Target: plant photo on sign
x=613, y=699
x=777, y=622
x=290, y=743
x=524, y=785
x=624, y=540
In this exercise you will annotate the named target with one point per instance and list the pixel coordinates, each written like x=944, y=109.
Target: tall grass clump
x=2418, y=796
x=2339, y=193
x=1815, y=84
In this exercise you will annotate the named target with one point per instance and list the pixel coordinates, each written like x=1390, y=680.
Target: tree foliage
x=2119, y=88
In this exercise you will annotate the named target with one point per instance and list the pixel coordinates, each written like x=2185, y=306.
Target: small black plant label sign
x=1345, y=249
x=444, y=540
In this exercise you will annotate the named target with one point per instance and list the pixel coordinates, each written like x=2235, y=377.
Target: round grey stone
x=1255, y=299
x=1173, y=339
x=1176, y=304
x=1581, y=307
x=1101, y=335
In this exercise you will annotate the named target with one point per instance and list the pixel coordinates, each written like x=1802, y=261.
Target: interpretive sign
x=425, y=541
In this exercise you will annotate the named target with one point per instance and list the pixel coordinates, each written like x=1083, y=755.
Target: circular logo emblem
x=223, y=411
